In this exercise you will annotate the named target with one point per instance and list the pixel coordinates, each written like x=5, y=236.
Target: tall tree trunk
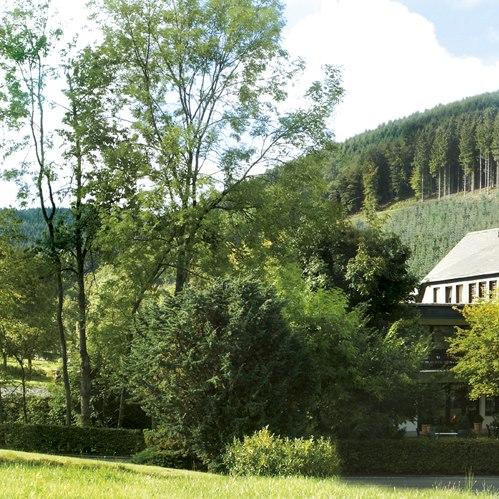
x=121, y=411
x=23, y=385
x=80, y=250
x=37, y=126
x=63, y=344
x=480, y=173
x=85, y=372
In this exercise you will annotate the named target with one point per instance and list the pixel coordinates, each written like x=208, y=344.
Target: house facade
x=470, y=271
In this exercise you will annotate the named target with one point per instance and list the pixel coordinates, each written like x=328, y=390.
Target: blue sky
x=464, y=27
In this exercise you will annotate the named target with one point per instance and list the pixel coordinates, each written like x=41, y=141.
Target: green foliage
x=71, y=440
x=419, y=456
x=378, y=276
x=44, y=410
x=216, y=363
x=206, y=92
x=363, y=378
x=265, y=454
x=477, y=349
x=433, y=228
x=165, y=451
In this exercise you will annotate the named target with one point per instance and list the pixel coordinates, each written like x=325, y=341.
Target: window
x=448, y=294
x=459, y=293
x=482, y=288
x=491, y=406
x=492, y=288
x=472, y=292
x=435, y=295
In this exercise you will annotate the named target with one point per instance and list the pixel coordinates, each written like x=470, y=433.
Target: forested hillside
x=432, y=228
x=32, y=223
x=442, y=151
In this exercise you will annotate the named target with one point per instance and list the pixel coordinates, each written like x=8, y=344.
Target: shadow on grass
x=15, y=372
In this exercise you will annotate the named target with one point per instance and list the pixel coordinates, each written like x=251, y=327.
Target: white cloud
x=393, y=62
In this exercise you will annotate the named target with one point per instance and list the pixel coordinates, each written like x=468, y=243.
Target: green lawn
x=42, y=376
x=37, y=475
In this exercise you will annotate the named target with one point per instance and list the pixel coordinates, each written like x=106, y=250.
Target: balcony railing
x=438, y=360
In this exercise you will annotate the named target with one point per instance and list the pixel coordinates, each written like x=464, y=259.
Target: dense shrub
x=214, y=364
x=47, y=410
x=162, y=450
x=419, y=456
x=71, y=440
x=266, y=454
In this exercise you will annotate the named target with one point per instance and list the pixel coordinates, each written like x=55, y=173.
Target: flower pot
x=478, y=428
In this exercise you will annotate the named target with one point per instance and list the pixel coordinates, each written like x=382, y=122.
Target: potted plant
x=477, y=420
x=425, y=426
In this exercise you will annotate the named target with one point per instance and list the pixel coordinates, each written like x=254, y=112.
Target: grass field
x=42, y=375
x=37, y=475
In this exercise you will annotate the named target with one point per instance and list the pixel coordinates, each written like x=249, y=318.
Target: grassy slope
x=431, y=228
x=42, y=376
x=37, y=475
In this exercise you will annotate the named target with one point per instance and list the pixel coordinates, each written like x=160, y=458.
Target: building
x=468, y=272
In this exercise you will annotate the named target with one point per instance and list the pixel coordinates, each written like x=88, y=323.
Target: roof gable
x=475, y=255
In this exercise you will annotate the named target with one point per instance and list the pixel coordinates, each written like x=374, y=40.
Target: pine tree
x=439, y=159
x=484, y=140
x=467, y=150
x=420, y=174
x=495, y=147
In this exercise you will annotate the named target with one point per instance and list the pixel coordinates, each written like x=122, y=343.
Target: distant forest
x=448, y=149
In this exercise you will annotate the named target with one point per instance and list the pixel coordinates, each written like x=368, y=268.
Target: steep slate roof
x=475, y=255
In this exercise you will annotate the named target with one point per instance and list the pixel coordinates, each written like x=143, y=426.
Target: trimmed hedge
x=419, y=456
x=71, y=439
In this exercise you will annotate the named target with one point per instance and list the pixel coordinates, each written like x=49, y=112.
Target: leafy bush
x=167, y=459
x=162, y=450
x=266, y=454
x=419, y=456
x=40, y=409
x=214, y=364
x=71, y=440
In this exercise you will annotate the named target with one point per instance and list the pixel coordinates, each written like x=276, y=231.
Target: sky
x=397, y=56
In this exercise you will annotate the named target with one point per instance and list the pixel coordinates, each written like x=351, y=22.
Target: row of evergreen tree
x=448, y=149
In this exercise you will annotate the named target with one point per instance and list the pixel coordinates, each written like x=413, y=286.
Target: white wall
x=429, y=291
